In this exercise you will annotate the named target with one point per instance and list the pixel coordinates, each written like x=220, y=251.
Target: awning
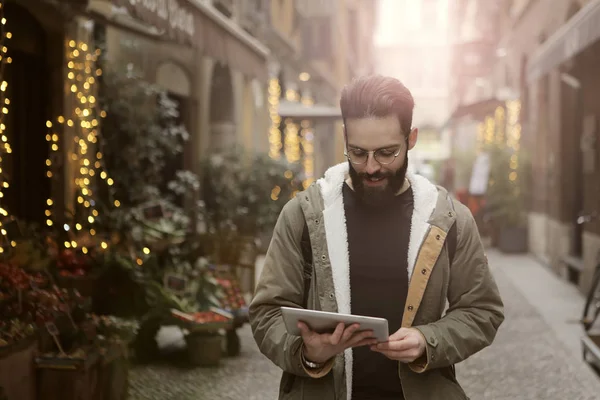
x=196, y=24
x=288, y=109
x=478, y=109
x=582, y=30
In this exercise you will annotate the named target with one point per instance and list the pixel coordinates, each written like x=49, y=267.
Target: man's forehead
x=373, y=131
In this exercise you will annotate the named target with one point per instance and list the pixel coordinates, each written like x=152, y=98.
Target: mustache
x=376, y=175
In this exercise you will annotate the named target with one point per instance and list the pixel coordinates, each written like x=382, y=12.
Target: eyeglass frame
x=373, y=152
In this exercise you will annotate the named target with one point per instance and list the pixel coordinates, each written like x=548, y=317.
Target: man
x=385, y=243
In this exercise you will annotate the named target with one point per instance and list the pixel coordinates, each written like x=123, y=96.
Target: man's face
x=376, y=183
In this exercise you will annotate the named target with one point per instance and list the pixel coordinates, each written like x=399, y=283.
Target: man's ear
x=412, y=138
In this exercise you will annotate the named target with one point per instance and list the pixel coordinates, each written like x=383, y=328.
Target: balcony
x=225, y=7
x=253, y=17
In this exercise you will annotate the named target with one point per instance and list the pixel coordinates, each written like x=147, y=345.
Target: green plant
x=506, y=197
x=241, y=198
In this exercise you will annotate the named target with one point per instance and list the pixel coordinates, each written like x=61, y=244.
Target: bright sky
x=396, y=16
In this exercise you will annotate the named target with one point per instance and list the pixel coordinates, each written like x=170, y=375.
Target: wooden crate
x=113, y=373
x=17, y=370
x=65, y=379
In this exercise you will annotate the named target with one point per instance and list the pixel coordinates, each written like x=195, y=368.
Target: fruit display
x=207, y=317
x=70, y=263
x=110, y=327
x=205, y=320
x=232, y=298
x=13, y=278
x=14, y=330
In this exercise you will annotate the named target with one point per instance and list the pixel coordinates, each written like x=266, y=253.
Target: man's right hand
x=319, y=348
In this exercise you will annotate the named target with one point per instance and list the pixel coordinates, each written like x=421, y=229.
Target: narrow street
x=536, y=354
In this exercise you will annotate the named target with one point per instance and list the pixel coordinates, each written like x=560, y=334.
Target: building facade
x=317, y=46
x=262, y=73
x=412, y=45
x=545, y=56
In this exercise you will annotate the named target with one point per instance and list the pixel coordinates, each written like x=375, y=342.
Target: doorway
x=28, y=90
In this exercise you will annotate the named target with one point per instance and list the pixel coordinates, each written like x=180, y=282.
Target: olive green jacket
x=456, y=307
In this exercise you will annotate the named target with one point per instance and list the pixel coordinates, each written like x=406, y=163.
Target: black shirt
x=378, y=248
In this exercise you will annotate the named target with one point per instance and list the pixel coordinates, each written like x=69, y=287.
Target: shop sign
x=174, y=17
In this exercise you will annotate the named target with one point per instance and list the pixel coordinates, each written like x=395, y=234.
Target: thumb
x=400, y=334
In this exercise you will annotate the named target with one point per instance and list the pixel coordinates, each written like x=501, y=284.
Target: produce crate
x=17, y=372
x=61, y=378
x=113, y=372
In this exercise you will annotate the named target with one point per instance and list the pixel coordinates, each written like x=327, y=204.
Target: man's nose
x=372, y=165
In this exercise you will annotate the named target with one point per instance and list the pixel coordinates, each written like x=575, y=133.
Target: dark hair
x=378, y=96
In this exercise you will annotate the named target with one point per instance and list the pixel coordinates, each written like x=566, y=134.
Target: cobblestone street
x=535, y=356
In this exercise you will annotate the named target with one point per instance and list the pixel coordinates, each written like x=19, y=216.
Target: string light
x=4, y=106
x=275, y=144
x=292, y=141
x=292, y=95
x=308, y=161
x=82, y=74
x=513, y=139
x=480, y=136
x=500, y=126
x=489, y=130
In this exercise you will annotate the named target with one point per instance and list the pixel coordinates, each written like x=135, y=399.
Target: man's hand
x=321, y=347
x=406, y=345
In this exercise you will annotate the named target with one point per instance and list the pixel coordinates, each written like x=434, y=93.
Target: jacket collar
x=425, y=199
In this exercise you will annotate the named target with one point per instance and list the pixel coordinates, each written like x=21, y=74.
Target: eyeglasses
x=382, y=156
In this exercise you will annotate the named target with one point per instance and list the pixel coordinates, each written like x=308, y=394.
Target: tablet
x=325, y=322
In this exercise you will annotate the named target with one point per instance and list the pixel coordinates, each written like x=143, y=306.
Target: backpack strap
x=452, y=237
x=308, y=267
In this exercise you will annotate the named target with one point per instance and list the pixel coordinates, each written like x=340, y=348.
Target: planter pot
x=513, y=240
x=204, y=350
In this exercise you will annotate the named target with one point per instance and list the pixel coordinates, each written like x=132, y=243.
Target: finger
x=398, y=345
x=349, y=331
x=402, y=356
x=399, y=334
x=364, y=342
x=336, y=336
x=304, y=330
x=360, y=337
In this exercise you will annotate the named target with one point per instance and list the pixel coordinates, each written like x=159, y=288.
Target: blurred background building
x=267, y=75
x=411, y=44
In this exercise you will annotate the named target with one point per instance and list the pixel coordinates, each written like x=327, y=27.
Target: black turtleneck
x=378, y=247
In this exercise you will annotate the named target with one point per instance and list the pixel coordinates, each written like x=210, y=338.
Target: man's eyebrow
x=388, y=147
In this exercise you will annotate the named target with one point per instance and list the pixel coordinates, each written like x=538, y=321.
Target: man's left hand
x=406, y=345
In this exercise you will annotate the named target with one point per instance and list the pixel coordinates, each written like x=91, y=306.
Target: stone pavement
x=536, y=354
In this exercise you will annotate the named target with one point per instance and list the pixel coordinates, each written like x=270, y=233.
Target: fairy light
x=480, y=136
x=292, y=141
x=500, y=126
x=4, y=108
x=275, y=144
x=308, y=161
x=292, y=95
x=513, y=138
x=83, y=118
x=489, y=130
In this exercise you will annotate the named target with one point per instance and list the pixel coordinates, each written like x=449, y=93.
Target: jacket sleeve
x=281, y=284
x=475, y=308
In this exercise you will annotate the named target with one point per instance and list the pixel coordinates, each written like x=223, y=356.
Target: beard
x=377, y=196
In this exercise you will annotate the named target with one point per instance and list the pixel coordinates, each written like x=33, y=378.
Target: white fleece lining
x=336, y=235
x=425, y=198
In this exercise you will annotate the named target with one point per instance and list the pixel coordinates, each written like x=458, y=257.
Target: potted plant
x=242, y=195
x=506, y=203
